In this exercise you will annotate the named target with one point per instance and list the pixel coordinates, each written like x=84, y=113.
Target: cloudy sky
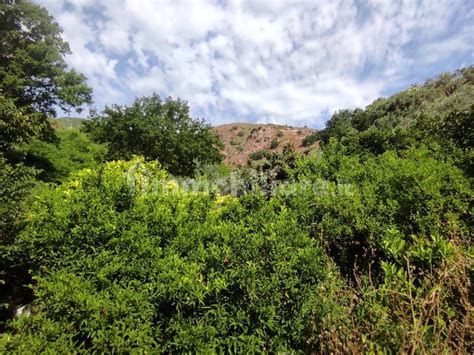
x=263, y=61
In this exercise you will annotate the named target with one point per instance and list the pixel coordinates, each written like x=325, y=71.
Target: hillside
x=66, y=123
x=436, y=98
x=242, y=139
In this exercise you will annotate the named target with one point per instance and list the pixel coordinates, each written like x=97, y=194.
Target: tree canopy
x=156, y=129
x=33, y=71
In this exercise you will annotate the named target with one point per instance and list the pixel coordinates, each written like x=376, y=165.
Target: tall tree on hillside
x=157, y=129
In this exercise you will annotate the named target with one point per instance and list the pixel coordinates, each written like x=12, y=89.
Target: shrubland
x=124, y=259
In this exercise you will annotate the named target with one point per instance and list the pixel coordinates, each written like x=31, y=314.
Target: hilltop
x=242, y=139
x=67, y=123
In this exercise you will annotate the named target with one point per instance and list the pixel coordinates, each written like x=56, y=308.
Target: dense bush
x=310, y=139
x=258, y=155
x=351, y=204
x=16, y=182
x=124, y=259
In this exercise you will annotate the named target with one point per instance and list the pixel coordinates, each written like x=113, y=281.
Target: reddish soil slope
x=241, y=139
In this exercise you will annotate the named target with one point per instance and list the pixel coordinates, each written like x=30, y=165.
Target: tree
x=156, y=129
x=32, y=67
x=34, y=82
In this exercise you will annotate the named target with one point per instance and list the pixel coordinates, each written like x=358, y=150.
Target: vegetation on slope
x=242, y=140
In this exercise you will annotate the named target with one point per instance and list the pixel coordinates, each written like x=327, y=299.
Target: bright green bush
x=124, y=259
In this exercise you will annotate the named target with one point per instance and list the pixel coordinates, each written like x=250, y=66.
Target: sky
x=292, y=62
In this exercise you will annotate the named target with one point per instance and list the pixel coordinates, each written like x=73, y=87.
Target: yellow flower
x=223, y=199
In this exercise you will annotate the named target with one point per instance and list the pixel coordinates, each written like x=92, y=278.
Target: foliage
x=265, y=176
x=56, y=161
x=34, y=82
x=437, y=98
x=16, y=182
x=156, y=129
x=125, y=260
x=17, y=126
x=33, y=72
x=350, y=204
x=310, y=139
x=274, y=143
x=258, y=155
x=412, y=309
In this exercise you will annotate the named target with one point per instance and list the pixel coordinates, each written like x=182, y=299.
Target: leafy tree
x=34, y=81
x=16, y=125
x=32, y=68
x=156, y=129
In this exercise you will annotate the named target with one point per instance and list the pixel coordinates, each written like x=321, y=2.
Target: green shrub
x=241, y=133
x=258, y=155
x=274, y=143
x=279, y=134
x=410, y=310
x=310, y=139
x=124, y=260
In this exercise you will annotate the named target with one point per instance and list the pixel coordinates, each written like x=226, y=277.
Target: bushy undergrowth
x=123, y=259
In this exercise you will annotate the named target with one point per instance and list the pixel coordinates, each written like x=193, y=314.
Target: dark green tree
x=156, y=129
x=32, y=67
x=34, y=82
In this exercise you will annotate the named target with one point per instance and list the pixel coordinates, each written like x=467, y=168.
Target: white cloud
x=288, y=62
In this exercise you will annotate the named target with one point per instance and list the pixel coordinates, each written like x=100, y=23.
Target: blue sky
x=263, y=61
